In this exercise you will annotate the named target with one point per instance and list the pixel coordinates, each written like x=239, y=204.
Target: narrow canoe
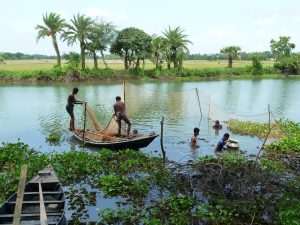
x=54, y=200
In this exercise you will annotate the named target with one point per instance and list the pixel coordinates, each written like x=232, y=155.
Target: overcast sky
x=210, y=24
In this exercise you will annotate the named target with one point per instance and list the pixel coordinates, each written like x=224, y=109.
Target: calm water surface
x=32, y=112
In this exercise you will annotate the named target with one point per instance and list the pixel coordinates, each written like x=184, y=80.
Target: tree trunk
x=56, y=50
x=126, y=61
x=95, y=60
x=230, y=62
x=175, y=63
x=137, y=63
x=82, y=50
x=169, y=65
x=156, y=62
x=103, y=59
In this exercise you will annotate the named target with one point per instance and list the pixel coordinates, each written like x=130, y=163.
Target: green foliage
x=289, y=65
x=281, y=48
x=289, y=213
x=2, y=61
x=248, y=128
x=290, y=143
x=175, y=46
x=73, y=59
x=54, y=24
x=257, y=67
x=78, y=31
x=131, y=44
x=120, y=216
x=54, y=138
x=232, y=52
x=121, y=185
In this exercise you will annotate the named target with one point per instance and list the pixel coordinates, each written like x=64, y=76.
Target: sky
x=209, y=24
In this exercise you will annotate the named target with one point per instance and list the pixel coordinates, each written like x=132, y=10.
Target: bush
x=289, y=65
x=256, y=66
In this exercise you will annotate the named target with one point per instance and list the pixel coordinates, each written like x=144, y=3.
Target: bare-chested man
x=70, y=107
x=120, y=114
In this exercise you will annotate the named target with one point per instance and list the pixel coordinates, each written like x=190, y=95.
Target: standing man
x=120, y=114
x=70, y=107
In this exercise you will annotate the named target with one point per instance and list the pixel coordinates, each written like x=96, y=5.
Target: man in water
x=217, y=125
x=70, y=107
x=120, y=114
x=222, y=143
x=194, y=137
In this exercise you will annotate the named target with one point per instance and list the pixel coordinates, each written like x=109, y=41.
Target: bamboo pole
x=199, y=106
x=161, y=138
x=84, y=125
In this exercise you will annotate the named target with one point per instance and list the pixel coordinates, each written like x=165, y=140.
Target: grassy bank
x=69, y=73
x=226, y=190
x=31, y=65
x=39, y=70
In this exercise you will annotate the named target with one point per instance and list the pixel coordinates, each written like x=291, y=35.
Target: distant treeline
x=214, y=56
x=22, y=56
x=267, y=55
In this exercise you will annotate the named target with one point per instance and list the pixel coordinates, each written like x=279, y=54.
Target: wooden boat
x=53, y=197
x=115, y=143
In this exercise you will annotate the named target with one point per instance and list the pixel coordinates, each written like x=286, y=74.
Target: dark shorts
x=70, y=109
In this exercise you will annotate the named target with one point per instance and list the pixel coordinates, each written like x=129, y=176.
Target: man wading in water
x=70, y=107
x=120, y=114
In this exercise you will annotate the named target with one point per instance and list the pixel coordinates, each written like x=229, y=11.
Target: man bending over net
x=120, y=114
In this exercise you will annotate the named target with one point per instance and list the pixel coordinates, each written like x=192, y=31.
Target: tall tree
x=157, y=50
x=79, y=30
x=53, y=24
x=131, y=44
x=232, y=52
x=282, y=47
x=176, y=41
x=101, y=37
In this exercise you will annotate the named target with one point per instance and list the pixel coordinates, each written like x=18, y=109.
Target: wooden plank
x=37, y=202
x=20, y=194
x=30, y=215
x=43, y=215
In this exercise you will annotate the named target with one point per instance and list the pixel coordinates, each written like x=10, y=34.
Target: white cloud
x=22, y=27
x=267, y=20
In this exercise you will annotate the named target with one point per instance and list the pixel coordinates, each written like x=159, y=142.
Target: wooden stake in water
x=161, y=138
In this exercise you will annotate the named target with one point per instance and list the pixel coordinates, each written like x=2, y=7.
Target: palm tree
x=101, y=38
x=53, y=24
x=157, y=49
x=177, y=42
x=79, y=29
x=232, y=52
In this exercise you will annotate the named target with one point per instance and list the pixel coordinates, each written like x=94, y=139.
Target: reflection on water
x=32, y=112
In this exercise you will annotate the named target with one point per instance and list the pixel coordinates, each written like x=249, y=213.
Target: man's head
x=75, y=90
x=118, y=98
x=217, y=122
x=196, y=131
x=225, y=136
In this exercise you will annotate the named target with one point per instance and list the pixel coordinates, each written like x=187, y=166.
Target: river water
x=31, y=112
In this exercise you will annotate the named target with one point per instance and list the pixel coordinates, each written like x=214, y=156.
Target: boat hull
x=54, y=200
x=135, y=143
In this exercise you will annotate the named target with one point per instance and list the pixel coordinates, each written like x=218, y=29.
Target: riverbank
x=69, y=74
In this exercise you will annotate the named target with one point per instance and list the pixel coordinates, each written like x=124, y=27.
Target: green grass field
x=31, y=65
